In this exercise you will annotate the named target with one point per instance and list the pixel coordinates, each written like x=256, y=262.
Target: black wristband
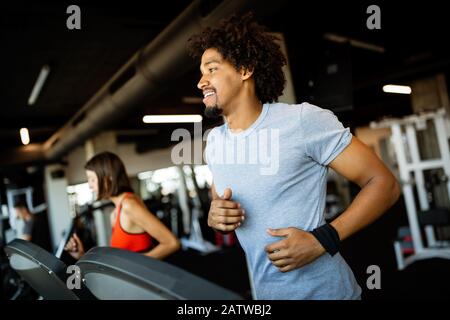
x=328, y=238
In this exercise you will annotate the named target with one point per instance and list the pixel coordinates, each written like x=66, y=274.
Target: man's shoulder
x=309, y=109
x=293, y=108
x=216, y=131
x=282, y=111
x=288, y=112
x=283, y=106
x=307, y=116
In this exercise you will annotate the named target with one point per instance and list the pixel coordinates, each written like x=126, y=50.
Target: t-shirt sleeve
x=324, y=135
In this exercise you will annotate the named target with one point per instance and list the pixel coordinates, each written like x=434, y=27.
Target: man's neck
x=243, y=115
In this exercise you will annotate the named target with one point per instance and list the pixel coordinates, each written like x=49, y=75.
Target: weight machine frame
x=405, y=144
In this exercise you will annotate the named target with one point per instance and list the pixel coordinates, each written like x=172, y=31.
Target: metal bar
x=407, y=188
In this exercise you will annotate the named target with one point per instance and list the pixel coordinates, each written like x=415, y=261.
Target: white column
x=57, y=202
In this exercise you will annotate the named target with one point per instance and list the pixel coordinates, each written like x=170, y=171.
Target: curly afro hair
x=246, y=44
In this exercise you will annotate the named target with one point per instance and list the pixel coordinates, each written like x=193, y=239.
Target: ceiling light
x=390, y=88
x=192, y=100
x=24, y=136
x=39, y=84
x=180, y=118
x=353, y=42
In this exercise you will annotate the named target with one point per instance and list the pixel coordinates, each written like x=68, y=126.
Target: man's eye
x=212, y=69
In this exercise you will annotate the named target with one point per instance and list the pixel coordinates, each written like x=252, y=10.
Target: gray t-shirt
x=277, y=170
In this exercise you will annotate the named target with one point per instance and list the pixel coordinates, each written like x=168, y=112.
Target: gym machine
x=116, y=274
x=27, y=193
x=112, y=274
x=45, y=273
x=412, y=170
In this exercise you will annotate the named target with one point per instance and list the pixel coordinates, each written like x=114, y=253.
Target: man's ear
x=246, y=73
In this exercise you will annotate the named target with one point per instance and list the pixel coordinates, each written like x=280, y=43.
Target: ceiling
x=81, y=61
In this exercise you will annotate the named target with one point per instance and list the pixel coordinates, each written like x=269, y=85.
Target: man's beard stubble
x=213, y=112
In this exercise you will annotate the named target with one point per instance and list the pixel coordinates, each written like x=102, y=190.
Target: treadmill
x=115, y=274
x=44, y=272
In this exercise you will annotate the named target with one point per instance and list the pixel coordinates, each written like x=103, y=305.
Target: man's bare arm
x=379, y=188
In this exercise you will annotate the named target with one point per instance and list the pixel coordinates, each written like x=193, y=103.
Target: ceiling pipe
x=149, y=72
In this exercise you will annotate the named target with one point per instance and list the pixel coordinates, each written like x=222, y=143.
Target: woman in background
x=134, y=226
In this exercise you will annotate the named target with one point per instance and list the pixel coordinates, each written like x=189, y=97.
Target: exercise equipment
x=404, y=239
x=83, y=217
x=191, y=215
x=116, y=274
x=45, y=273
x=412, y=170
x=111, y=274
x=28, y=194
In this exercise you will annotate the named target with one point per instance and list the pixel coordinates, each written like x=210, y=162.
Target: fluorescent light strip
x=355, y=43
x=180, y=118
x=24, y=136
x=192, y=100
x=39, y=84
x=390, y=88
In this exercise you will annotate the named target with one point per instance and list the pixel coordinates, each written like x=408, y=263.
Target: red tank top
x=137, y=242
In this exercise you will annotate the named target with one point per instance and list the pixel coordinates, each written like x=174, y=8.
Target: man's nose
x=202, y=83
